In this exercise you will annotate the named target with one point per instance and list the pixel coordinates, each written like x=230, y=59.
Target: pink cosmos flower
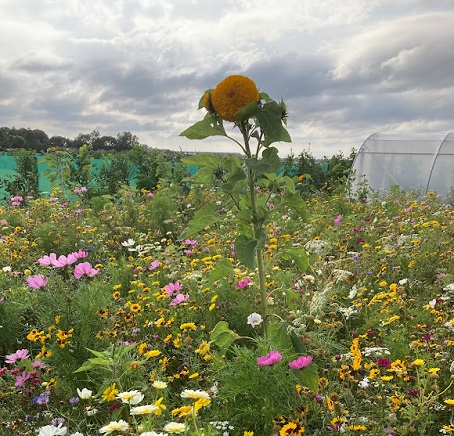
x=153, y=265
x=180, y=298
x=47, y=260
x=338, y=220
x=86, y=269
x=270, y=359
x=81, y=254
x=20, y=379
x=37, y=282
x=301, y=362
x=63, y=261
x=170, y=288
x=243, y=284
x=18, y=355
x=190, y=243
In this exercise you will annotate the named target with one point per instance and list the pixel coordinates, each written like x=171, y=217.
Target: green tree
x=25, y=181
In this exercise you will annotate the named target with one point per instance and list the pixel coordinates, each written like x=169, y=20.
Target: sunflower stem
x=251, y=175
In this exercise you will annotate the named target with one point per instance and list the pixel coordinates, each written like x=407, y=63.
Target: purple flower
x=18, y=355
x=300, y=362
x=37, y=282
x=190, y=243
x=338, y=220
x=270, y=359
x=42, y=398
x=22, y=378
x=243, y=283
x=86, y=269
x=180, y=298
x=170, y=288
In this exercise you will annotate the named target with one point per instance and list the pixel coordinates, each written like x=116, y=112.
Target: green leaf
x=102, y=354
x=293, y=299
x=222, y=269
x=203, y=160
x=222, y=336
x=298, y=256
x=201, y=105
x=247, y=111
x=270, y=162
x=309, y=377
x=205, y=216
x=204, y=176
x=245, y=249
x=270, y=120
x=209, y=126
x=298, y=344
x=279, y=337
x=295, y=202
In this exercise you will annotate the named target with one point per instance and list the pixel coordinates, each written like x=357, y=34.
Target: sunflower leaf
x=209, y=126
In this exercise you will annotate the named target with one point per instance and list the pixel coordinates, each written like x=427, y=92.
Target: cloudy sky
x=346, y=69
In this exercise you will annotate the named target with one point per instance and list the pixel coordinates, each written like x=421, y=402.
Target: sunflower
x=232, y=94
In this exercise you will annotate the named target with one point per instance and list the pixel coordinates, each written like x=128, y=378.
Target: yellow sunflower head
x=232, y=94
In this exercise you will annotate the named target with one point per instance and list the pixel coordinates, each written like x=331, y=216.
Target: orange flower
x=232, y=94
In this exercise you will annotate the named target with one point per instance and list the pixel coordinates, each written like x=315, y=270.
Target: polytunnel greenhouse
x=421, y=163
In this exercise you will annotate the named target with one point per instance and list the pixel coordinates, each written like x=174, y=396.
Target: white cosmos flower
x=129, y=243
x=84, y=394
x=254, y=319
x=52, y=430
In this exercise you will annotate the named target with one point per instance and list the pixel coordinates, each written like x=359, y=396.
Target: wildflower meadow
x=232, y=302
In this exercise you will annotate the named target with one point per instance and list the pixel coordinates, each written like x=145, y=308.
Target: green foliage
x=25, y=181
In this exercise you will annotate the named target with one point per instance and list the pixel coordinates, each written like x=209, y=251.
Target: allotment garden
x=231, y=303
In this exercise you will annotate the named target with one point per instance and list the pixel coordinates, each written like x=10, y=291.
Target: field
x=145, y=316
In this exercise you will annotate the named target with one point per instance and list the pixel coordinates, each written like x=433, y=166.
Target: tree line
x=37, y=140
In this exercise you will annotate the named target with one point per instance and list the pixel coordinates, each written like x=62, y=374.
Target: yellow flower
x=160, y=406
x=418, y=362
x=248, y=433
x=110, y=393
x=449, y=401
x=292, y=428
x=387, y=377
x=204, y=347
x=188, y=326
x=151, y=353
x=232, y=94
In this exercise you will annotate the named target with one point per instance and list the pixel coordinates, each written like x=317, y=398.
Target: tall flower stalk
x=262, y=120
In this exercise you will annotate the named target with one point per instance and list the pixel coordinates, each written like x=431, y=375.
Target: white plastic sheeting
x=423, y=163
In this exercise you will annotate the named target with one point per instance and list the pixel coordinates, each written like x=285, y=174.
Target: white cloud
x=345, y=69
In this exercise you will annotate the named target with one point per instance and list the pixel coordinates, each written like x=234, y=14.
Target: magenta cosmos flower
x=37, y=282
x=84, y=269
x=243, y=283
x=301, y=362
x=270, y=359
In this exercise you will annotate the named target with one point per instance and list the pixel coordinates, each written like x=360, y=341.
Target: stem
x=256, y=227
